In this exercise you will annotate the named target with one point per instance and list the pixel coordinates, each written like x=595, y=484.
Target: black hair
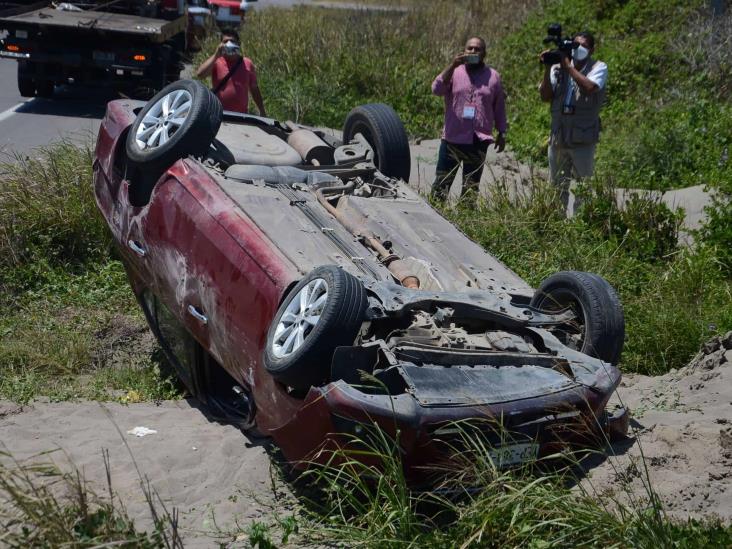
x=231, y=34
x=587, y=35
x=482, y=42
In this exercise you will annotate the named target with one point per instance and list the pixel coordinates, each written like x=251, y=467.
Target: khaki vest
x=583, y=127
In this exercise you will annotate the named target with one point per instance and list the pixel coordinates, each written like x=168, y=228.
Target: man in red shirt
x=474, y=107
x=233, y=76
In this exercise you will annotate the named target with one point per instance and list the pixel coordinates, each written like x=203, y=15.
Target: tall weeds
x=47, y=209
x=371, y=506
x=44, y=507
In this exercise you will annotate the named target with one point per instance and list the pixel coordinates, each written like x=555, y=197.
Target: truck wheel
x=26, y=85
x=180, y=120
x=599, y=328
x=384, y=131
x=44, y=88
x=323, y=311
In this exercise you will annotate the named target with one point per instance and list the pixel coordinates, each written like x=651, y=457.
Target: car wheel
x=26, y=85
x=180, y=120
x=599, y=328
x=45, y=88
x=323, y=311
x=384, y=131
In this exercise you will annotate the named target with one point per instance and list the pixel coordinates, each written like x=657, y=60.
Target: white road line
x=10, y=112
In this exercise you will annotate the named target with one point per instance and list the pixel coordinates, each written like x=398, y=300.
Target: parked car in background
x=302, y=289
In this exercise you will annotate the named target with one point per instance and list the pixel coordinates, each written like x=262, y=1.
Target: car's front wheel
x=599, y=326
x=181, y=120
x=323, y=311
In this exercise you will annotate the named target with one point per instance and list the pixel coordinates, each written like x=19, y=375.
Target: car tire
x=384, y=131
x=190, y=134
x=600, y=331
x=26, y=84
x=341, y=302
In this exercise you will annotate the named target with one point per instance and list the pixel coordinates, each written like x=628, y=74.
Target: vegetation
x=479, y=504
x=674, y=299
x=73, y=329
x=44, y=507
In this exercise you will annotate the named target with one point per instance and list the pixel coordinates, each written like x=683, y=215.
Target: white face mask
x=231, y=47
x=580, y=53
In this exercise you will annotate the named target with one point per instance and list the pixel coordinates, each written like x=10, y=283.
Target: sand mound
x=213, y=474
x=683, y=428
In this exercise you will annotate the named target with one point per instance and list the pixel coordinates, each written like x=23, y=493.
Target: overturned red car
x=303, y=290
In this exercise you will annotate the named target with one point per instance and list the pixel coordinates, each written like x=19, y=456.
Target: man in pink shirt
x=474, y=105
x=233, y=76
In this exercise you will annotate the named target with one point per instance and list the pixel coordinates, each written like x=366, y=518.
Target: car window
x=175, y=340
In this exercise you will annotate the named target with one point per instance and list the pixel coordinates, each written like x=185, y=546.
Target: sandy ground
x=683, y=428
x=214, y=475
x=220, y=481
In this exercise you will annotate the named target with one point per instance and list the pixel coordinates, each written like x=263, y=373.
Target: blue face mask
x=580, y=53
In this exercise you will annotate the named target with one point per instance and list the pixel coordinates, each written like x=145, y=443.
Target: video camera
x=564, y=45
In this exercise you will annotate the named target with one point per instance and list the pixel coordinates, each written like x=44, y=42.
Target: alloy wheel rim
x=299, y=318
x=164, y=119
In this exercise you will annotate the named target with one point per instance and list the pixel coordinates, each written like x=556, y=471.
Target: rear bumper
x=333, y=416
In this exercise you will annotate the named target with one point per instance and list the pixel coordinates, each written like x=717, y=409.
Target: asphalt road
x=29, y=123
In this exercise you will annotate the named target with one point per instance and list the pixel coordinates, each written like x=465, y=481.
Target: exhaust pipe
x=391, y=261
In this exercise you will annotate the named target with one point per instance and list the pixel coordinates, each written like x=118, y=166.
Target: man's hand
x=566, y=61
x=459, y=60
x=541, y=58
x=500, y=142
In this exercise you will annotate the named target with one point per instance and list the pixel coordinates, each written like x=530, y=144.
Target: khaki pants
x=567, y=164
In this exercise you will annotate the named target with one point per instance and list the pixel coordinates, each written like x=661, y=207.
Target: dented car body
x=238, y=256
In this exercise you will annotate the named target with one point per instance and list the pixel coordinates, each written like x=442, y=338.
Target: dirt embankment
x=683, y=429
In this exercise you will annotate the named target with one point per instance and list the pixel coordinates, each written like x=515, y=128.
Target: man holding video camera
x=233, y=76
x=474, y=105
x=574, y=84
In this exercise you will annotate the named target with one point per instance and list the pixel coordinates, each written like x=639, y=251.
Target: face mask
x=472, y=59
x=230, y=47
x=580, y=54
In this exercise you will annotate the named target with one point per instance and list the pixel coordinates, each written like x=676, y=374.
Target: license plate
x=513, y=454
x=104, y=56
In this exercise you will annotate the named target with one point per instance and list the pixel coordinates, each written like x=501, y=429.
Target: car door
x=220, y=293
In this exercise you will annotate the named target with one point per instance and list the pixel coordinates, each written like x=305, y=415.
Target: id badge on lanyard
x=468, y=111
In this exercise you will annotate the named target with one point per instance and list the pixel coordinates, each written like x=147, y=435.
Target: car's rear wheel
x=181, y=120
x=26, y=84
x=323, y=311
x=384, y=131
x=599, y=326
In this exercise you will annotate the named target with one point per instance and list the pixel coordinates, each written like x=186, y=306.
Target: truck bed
x=154, y=30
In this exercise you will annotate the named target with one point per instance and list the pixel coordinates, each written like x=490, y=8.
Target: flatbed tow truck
x=132, y=46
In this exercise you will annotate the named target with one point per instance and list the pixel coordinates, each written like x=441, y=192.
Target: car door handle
x=137, y=248
x=197, y=314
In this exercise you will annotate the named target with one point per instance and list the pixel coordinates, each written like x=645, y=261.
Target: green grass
x=480, y=505
x=79, y=336
x=674, y=299
x=72, y=328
